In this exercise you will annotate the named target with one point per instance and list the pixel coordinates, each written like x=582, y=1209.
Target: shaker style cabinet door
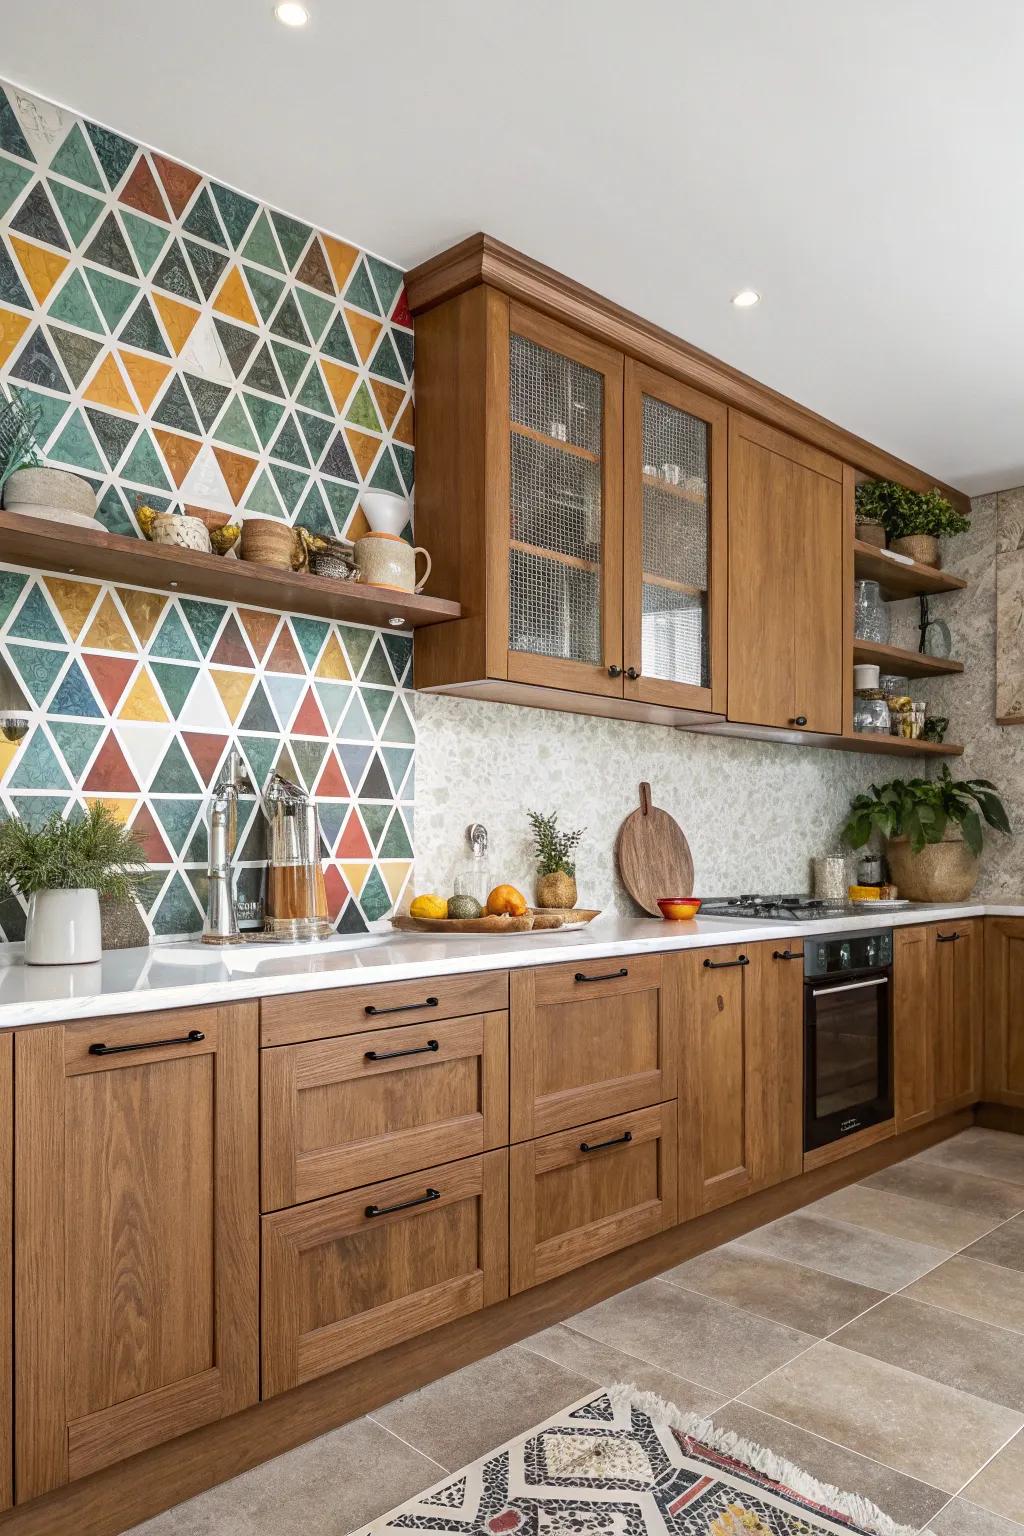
x=137, y=1208
x=958, y=982
x=913, y=1026
x=1004, y=1038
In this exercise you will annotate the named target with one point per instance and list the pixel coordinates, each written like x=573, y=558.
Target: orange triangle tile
x=179, y=182
x=233, y=300
x=309, y=721
x=180, y=452
x=120, y=809
x=12, y=329
x=73, y=600
x=143, y=702
x=363, y=449
x=332, y=662
x=353, y=842
x=144, y=610
x=260, y=628
x=339, y=381
x=147, y=376
x=355, y=876
x=110, y=675
x=405, y=426
x=332, y=784
x=143, y=193
x=284, y=657
x=150, y=837
x=237, y=470
x=342, y=258
x=336, y=889
x=108, y=386
x=41, y=268
x=108, y=631
x=178, y=319
x=110, y=770
x=365, y=331
x=356, y=526
x=233, y=688
x=389, y=400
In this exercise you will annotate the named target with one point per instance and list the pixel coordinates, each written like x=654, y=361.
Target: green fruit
x=464, y=906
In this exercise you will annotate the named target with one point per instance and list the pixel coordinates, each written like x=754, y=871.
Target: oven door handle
x=850, y=986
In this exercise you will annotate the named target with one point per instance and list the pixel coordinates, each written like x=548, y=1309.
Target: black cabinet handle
x=599, y=1146
x=403, y=1205
x=606, y=975
x=799, y=720
x=376, y=1013
x=948, y=938
x=193, y=1036
x=725, y=965
x=786, y=954
x=614, y=671
x=413, y=1050
x=632, y=673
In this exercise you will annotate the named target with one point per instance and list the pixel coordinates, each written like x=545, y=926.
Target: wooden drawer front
x=350, y=1010
x=340, y=1283
x=571, y=1206
x=140, y=1039
x=343, y=1112
x=583, y=1049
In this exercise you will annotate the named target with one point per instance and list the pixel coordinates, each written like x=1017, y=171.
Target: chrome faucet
x=221, y=925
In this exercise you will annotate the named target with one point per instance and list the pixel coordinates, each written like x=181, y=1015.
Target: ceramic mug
x=385, y=560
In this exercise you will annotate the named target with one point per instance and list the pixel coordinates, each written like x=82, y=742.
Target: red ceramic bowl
x=678, y=909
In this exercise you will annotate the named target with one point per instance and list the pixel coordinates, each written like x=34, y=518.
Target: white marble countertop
x=186, y=975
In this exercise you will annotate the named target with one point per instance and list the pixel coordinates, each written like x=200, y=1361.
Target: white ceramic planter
x=63, y=928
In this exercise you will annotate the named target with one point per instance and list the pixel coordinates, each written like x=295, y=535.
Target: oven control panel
x=848, y=953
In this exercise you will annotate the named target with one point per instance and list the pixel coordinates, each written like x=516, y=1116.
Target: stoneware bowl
x=384, y=512
x=679, y=909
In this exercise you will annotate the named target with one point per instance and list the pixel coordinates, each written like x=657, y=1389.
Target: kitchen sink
x=245, y=956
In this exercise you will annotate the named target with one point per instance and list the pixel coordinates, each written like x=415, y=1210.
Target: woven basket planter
x=946, y=871
x=922, y=547
x=557, y=890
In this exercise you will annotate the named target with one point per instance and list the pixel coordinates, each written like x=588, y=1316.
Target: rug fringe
x=698, y=1427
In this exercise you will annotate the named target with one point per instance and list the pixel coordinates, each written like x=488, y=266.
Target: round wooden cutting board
x=653, y=855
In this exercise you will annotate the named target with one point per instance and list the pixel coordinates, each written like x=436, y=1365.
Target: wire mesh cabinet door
x=674, y=530
x=565, y=508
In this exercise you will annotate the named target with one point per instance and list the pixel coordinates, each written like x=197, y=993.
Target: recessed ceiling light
x=291, y=14
x=746, y=298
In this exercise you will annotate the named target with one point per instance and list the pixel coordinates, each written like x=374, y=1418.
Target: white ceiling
x=860, y=162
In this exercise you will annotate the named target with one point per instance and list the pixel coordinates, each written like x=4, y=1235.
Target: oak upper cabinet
x=1004, y=1036
x=137, y=1211
x=740, y=1070
x=786, y=547
x=674, y=543
x=938, y=1015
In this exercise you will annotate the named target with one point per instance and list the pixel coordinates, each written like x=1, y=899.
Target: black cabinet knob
x=614, y=671
x=799, y=720
x=632, y=674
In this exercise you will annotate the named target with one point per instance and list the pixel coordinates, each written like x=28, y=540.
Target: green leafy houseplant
x=554, y=851
x=903, y=512
x=18, y=425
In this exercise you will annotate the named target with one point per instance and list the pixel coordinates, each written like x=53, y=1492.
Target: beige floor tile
x=851, y=1253
x=605, y=1366
x=999, y=1487
x=706, y=1341
x=950, y=1186
x=1003, y=1246
x=792, y=1294
x=962, y=1519
x=458, y=1418
x=329, y=1486
x=944, y=1346
x=930, y=1432
x=994, y=1154
x=988, y=1292
x=916, y=1221
x=902, y=1498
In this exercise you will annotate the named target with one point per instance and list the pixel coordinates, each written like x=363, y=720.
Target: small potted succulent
x=63, y=868
x=933, y=832
x=914, y=521
x=556, y=863
x=26, y=485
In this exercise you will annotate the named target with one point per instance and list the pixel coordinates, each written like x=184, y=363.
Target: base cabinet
x=1004, y=989
x=938, y=1012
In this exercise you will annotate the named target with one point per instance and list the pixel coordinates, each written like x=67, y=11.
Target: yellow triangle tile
x=363, y=449
x=143, y=703
x=389, y=400
x=339, y=381
x=364, y=332
x=342, y=258
x=73, y=600
x=233, y=300
x=233, y=688
x=108, y=631
x=12, y=328
x=356, y=526
x=147, y=376
x=395, y=872
x=121, y=809
x=144, y=610
x=332, y=662
x=41, y=268
x=404, y=432
x=108, y=387
x=178, y=319
x=8, y=752
x=356, y=876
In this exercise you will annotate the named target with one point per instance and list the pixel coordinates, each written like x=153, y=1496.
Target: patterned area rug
x=623, y=1463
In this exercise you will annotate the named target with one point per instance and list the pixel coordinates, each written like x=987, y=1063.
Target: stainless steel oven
x=847, y=1034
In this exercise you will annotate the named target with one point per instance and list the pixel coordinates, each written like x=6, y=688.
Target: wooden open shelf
x=897, y=746
x=898, y=580
x=903, y=663
x=78, y=551
x=850, y=741
x=562, y=444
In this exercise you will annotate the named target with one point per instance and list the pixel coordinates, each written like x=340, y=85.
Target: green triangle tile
x=399, y=648
x=360, y=290
x=311, y=634
x=47, y=410
x=33, y=810
x=175, y=775
x=386, y=279
x=36, y=363
x=199, y=880
x=37, y=219
x=141, y=329
x=202, y=220
x=338, y=343
x=288, y=322
x=377, y=702
x=332, y=814
x=259, y=716
x=284, y=689
x=341, y=499
x=113, y=433
x=254, y=844
x=11, y=137
x=265, y=414
x=338, y=461
x=73, y=305
x=114, y=153
x=208, y=398
x=76, y=352
x=292, y=235
x=263, y=497
x=35, y=620
x=261, y=752
x=12, y=289
x=385, y=476
x=261, y=246
x=351, y=921
x=177, y=818
x=314, y=270
x=313, y=394
x=362, y=412
x=291, y=363
x=110, y=249
x=77, y=743
x=333, y=699
x=397, y=760
x=396, y=844
x=314, y=514
x=399, y=725
x=12, y=919
x=377, y=669
x=14, y=178
x=309, y=757
x=37, y=766
x=111, y=514
x=39, y=667
x=208, y=265
x=355, y=724
x=316, y=431
x=12, y=584
x=384, y=361
x=176, y=910
x=263, y=374
x=74, y=160
x=316, y=309
x=233, y=427
x=175, y=683
x=173, y=275
x=290, y=483
x=172, y=641
x=375, y=819
x=376, y=785
x=147, y=239
x=235, y=209
x=406, y=347
x=75, y=446
x=174, y=409
x=288, y=444
x=204, y=620
x=237, y=344
x=143, y=464
x=406, y=461
x=357, y=643
x=265, y=289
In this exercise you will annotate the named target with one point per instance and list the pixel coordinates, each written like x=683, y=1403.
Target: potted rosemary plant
x=914, y=521
x=933, y=831
x=556, y=862
x=63, y=867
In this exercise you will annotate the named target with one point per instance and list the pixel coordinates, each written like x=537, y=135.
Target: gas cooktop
x=774, y=908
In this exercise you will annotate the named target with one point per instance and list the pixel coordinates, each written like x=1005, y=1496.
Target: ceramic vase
x=63, y=928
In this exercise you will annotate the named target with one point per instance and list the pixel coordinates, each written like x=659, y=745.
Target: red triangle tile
x=151, y=838
x=143, y=193
x=206, y=752
x=337, y=890
x=332, y=783
x=284, y=657
x=309, y=721
x=259, y=627
x=400, y=314
x=110, y=772
x=353, y=843
x=179, y=182
x=231, y=649
x=110, y=674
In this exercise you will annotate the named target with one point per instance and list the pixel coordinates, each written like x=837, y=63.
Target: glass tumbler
x=871, y=614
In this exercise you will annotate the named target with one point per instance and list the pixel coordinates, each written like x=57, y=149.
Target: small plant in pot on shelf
x=914, y=521
x=556, y=862
x=63, y=867
x=933, y=830
x=26, y=485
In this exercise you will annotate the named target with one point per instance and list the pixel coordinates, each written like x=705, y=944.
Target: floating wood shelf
x=898, y=746
x=851, y=741
x=903, y=663
x=898, y=580
x=78, y=551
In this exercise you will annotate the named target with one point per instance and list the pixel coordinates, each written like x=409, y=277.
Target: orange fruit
x=505, y=900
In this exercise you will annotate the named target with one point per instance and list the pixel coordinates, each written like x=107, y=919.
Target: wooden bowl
x=679, y=909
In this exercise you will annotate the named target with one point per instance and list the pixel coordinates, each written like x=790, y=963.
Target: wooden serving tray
x=407, y=924
x=561, y=917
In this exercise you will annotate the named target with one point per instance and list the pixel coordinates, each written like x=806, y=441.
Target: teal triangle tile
x=314, y=514
x=263, y=374
x=384, y=362
x=396, y=844
x=199, y=882
x=175, y=682
x=406, y=347
x=78, y=210
x=357, y=643
x=284, y=690
x=12, y=290
x=386, y=477
x=146, y=239
x=12, y=919
x=236, y=211
x=290, y=484
x=333, y=699
x=406, y=461
x=37, y=218
x=37, y=766
x=75, y=446
x=261, y=246
x=198, y=850
x=75, y=696
x=351, y=920
x=377, y=668
x=376, y=785
x=399, y=648
x=374, y=898
x=238, y=344
x=337, y=461
x=36, y=363
x=202, y=220
x=111, y=513
x=38, y=666
x=313, y=394
x=332, y=814
x=258, y=714
x=175, y=774
x=265, y=289
x=75, y=160
x=12, y=584
x=316, y=431
x=143, y=464
x=11, y=137
x=114, y=153
x=288, y=323
x=311, y=634
x=251, y=884
x=387, y=280
x=208, y=265
x=341, y=498
x=253, y=845
x=375, y=818
x=291, y=362
x=47, y=413
x=109, y=248
x=208, y=398
x=113, y=433
x=233, y=427
x=397, y=760
x=289, y=445
x=71, y=303
x=264, y=414
x=314, y=306
x=113, y=295
x=313, y=269
x=142, y=330
x=171, y=641
x=263, y=497
x=354, y=758
x=14, y=178
x=293, y=236
x=174, y=409
x=409, y=793
x=399, y=726
x=260, y=752
x=175, y=911
x=34, y=810
x=355, y=724
x=309, y=757
x=177, y=818
x=76, y=352
x=338, y=343
x=76, y=744
x=204, y=620
x=173, y=275
x=360, y=291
